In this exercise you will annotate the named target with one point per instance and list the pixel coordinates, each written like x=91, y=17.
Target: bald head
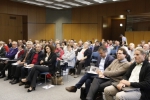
x=14, y=44
x=146, y=47
x=131, y=46
x=38, y=47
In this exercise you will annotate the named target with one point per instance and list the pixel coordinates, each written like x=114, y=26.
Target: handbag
x=57, y=80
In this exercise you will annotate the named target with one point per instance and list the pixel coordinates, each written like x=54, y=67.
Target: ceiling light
x=121, y=16
x=31, y=2
x=59, y=0
x=84, y=2
x=100, y=1
x=121, y=24
x=44, y=1
x=115, y=0
x=54, y=7
x=61, y=5
x=71, y=3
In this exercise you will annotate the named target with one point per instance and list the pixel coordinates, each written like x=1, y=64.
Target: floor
x=16, y=92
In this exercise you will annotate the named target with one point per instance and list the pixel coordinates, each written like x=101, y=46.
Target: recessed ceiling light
x=31, y=2
x=54, y=7
x=59, y=0
x=121, y=16
x=71, y=3
x=44, y=1
x=61, y=5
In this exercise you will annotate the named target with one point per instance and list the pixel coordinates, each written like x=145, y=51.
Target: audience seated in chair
x=103, y=62
x=16, y=70
x=47, y=64
x=69, y=58
x=2, y=50
x=7, y=64
x=35, y=59
x=114, y=71
x=137, y=76
x=83, y=58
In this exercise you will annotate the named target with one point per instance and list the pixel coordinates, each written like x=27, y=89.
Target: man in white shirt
x=131, y=51
x=124, y=39
x=103, y=62
x=137, y=76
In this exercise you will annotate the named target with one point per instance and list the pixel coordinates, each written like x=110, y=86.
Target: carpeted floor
x=16, y=92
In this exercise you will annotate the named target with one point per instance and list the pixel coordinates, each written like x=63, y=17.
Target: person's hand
x=98, y=71
x=31, y=65
x=6, y=62
x=120, y=86
x=21, y=63
x=101, y=76
x=127, y=83
x=18, y=61
x=25, y=64
x=41, y=61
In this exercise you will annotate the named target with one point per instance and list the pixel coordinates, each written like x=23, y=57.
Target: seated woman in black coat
x=47, y=65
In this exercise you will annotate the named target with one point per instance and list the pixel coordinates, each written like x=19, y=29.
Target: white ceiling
x=62, y=4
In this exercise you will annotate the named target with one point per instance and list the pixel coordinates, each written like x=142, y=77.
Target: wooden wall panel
x=92, y=32
x=32, y=31
x=138, y=36
x=76, y=15
x=23, y=9
x=76, y=32
x=3, y=7
x=147, y=8
x=102, y=10
x=50, y=31
x=85, y=15
x=40, y=15
x=12, y=24
x=4, y=19
x=40, y=31
x=84, y=32
x=110, y=9
x=12, y=7
x=19, y=33
x=32, y=14
x=146, y=36
x=4, y=34
x=130, y=37
x=93, y=18
x=116, y=30
x=67, y=31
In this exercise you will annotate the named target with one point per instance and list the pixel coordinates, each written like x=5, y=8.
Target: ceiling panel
x=63, y=4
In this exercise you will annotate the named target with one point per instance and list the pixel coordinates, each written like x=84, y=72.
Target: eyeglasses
x=119, y=53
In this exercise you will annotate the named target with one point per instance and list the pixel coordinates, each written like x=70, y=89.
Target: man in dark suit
x=103, y=62
x=35, y=59
x=25, y=59
x=2, y=50
x=11, y=55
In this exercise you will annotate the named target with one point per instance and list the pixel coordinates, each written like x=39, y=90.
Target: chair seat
x=94, y=60
x=45, y=73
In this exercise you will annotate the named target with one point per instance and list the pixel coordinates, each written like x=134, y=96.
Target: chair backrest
x=95, y=55
x=113, y=52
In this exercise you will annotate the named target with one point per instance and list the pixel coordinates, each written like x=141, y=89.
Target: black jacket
x=29, y=56
x=144, y=79
x=87, y=53
x=51, y=62
x=2, y=52
x=109, y=59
